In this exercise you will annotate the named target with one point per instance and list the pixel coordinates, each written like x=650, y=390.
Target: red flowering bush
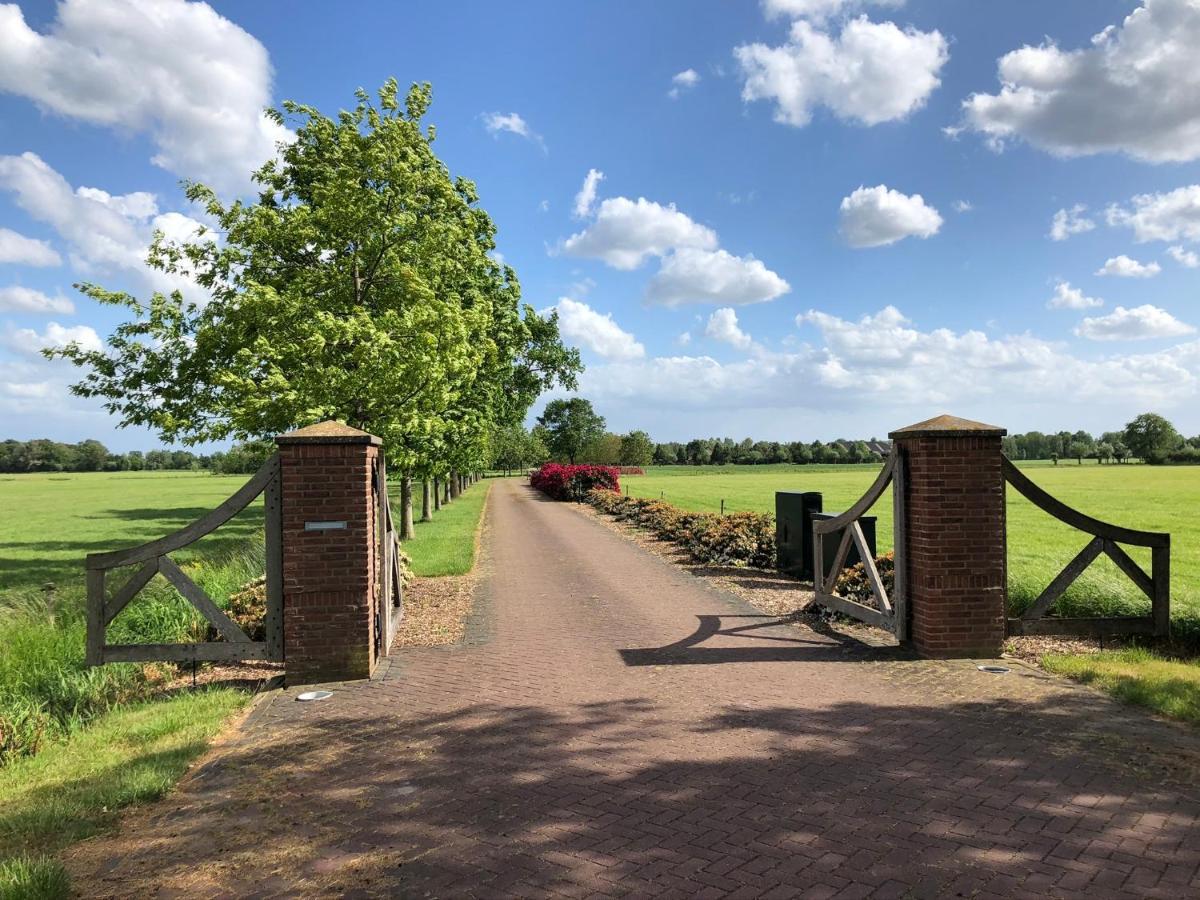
x=565, y=482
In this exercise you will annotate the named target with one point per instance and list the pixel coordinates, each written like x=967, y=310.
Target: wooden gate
x=154, y=560
x=390, y=596
x=890, y=612
x=1106, y=539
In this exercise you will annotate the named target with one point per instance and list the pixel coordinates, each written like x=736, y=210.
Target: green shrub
x=853, y=583
x=740, y=539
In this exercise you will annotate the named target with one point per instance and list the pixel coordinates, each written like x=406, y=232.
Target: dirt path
x=606, y=729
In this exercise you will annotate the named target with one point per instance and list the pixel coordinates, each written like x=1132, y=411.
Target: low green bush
x=33, y=878
x=853, y=583
x=739, y=539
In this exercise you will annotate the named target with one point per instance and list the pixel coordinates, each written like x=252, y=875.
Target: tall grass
x=46, y=691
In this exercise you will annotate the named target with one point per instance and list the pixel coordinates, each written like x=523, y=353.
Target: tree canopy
x=570, y=426
x=360, y=286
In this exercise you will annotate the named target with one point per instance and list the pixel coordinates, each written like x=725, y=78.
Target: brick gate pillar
x=956, y=553
x=330, y=551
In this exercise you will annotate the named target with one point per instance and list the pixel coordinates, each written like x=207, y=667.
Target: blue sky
x=816, y=217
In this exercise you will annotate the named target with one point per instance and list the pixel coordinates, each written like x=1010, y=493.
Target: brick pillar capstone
x=330, y=563
x=956, y=553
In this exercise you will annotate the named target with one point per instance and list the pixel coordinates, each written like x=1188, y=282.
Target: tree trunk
x=446, y=490
x=455, y=485
x=426, y=501
x=437, y=494
x=406, y=516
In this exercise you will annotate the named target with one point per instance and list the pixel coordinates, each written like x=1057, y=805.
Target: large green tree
x=570, y=425
x=1151, y=437
x=359, y=286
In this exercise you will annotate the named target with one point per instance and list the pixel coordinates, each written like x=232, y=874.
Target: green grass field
x=446, y=546
x=1146, y=497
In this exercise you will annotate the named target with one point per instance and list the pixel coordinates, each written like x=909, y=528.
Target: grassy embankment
x=77, y=744
x=1145, y=497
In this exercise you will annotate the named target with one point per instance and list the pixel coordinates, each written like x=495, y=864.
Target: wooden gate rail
x=101, y=610
x=390, y=611
x=1106, y=539
x=892, y=614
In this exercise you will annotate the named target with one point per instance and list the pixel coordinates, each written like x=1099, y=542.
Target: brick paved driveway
x=568, y=748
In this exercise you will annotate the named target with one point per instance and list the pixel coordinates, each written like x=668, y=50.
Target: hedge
x=739, y=539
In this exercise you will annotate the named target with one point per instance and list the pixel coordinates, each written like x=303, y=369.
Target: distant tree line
x=1149, y=437
x=43, y=455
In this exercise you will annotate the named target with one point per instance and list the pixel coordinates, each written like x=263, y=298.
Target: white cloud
x=883, y=368
x=1185, y=258
x=1135, y=90
x=513, y=123
x=1124, y=267
x=692, y=275
x=586, y=197
x=683, y=81
x=871, y=72
x=684, y=338
x=818, y=10
x=180, y=72
x=626, y=232
x=1067, y=297
x=105, y=233
x=1173, y=216
x=963, y=206
x=582, y=325
x=876, y=216
x=723, y=326
x=28, y=341
x=1139, y=323
x=19, y=250
x=22, y=299
x=1067, y=222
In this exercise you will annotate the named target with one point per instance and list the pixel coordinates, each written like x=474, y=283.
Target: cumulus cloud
x=1124, y=267
x=192, y=80
x=26, y=300
x=30, y=342
x=877, y=216
x=16, y=249
x=1185, y=258
x=963, y=206
x=1135, y=90
x=883, y=361
x=870, y=72
x=1067, y=222
x=1067, y=297
x=627, y=232
x=586, y=197
x=682, y=82
x=691, y=275
x=1171, y=216
x=104, y=233
x=1140, y=323
x=582, y=325
x=723, y=326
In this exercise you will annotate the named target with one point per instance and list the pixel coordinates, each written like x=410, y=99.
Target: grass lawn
x=52, y=521
x=1137, y=676
x=75, y=789
x=446, y=546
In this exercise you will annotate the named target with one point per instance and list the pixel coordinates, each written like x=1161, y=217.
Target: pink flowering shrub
x=566, y=482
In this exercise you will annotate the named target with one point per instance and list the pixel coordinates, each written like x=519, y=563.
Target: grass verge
x=76, y=788
x=446, y=546
x=1139, y=676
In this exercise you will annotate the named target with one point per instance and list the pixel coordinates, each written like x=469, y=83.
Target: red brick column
x=955, y=545
x=330, y=564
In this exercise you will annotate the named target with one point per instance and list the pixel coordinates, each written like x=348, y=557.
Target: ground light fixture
x=314, y=695
x=994, y=670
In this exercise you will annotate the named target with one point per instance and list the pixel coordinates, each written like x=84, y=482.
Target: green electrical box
x=829, y=546
x=793, y=531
